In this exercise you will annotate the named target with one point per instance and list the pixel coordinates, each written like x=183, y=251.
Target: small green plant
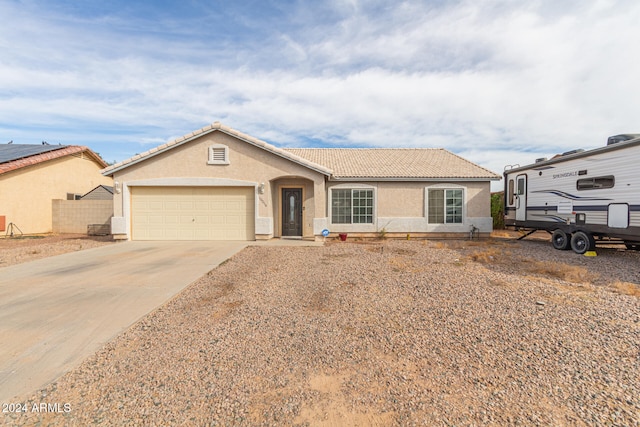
x=382, y=234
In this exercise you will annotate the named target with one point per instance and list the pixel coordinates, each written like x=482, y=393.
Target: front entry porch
x=293, y=207
x=291, y=212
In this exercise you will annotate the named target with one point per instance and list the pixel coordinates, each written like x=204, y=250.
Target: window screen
x=341, y=207
x=596, y=183
x=445, y=206
x=351, y=206
x=511, y=191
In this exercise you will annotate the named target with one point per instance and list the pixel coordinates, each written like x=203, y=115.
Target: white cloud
x=495, y=81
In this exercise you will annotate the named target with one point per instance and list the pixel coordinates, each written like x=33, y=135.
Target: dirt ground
x=16, y=250
x=424, y=333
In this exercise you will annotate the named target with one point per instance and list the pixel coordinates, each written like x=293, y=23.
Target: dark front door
x=292, y=211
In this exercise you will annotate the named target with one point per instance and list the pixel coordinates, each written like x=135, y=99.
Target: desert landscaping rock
x=375, y=333
x=30, y=248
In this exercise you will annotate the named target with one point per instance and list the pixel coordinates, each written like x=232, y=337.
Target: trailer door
x=521, y=198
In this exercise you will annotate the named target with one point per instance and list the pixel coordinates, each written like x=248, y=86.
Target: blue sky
x=498, y=82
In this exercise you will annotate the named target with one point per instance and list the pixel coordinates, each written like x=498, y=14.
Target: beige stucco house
x=219, y=184
x=31, y=176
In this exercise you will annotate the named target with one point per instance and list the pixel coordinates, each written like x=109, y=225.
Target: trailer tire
x=561, y=240
x=582, y=242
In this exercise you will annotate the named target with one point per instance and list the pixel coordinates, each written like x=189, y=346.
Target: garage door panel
x=217, y=205
x=201, y=219
x=170, y=220
x=201, y=205
x=217, y=219
x=186, y=219
x=155, y=220
x=235, y=221
x=193, y=213
x=236, y=205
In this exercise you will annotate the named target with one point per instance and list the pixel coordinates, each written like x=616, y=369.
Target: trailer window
x=596, y=183
x=521, y=186
x=511, y=192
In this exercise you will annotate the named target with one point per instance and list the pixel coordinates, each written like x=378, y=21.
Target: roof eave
x=110, y=170
x=281, y=153
x=95, y=157
x=207, y=130
x=413, y=179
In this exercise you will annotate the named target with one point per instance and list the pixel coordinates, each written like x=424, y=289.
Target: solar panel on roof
x=10, y=152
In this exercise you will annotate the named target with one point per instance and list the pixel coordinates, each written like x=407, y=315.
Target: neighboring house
x=219, y=184
x=31, y=176
x=101, y=192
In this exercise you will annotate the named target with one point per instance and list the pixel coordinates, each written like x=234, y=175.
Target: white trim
x=320, y=224
x=446, y=186
x=264, y=226
x=355, y=228
x=181, y=182
x=354, y=185
x=420, y=225
x=118, y=225
x=191, y=182
x=410, y=179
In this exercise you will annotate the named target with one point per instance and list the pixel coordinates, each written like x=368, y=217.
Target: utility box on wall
x=2, y=223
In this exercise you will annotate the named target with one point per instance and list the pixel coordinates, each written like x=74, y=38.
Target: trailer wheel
x=582, y=242
x=561, y=240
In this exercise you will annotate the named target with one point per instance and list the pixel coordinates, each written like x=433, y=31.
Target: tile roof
x=9, y=152
x=373, y=163
x=56, y=151
x=394, y=163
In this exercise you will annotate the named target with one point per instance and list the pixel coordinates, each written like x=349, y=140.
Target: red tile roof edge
x=49, y=155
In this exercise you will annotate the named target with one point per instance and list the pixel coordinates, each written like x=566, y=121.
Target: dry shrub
x=570, y=273
x=490, y=255
x=502, y=234
x=405, y=265
x=626, y=288
x=502, y=283
x=455, y=244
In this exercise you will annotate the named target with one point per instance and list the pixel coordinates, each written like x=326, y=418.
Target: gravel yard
x=377, y=333
x=22, y=249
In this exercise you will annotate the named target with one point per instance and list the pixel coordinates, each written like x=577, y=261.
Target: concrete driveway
x=56, y=311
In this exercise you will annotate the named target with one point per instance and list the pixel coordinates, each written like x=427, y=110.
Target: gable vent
x=218, y=155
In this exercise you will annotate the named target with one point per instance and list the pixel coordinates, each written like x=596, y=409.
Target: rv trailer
x=579, y=197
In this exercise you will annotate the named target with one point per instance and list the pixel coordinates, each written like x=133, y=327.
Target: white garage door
x=192, y=213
